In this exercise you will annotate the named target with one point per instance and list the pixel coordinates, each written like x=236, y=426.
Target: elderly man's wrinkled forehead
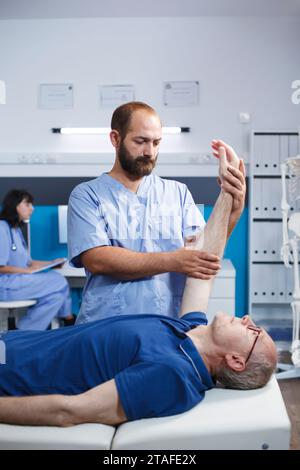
x=227, y=322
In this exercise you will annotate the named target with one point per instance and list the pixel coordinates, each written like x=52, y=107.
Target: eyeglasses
x=258, y=330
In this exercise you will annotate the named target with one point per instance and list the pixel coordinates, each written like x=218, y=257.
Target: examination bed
x=226, y=419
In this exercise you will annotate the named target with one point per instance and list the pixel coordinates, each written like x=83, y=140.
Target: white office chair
x=290, y=178
x=12, y=306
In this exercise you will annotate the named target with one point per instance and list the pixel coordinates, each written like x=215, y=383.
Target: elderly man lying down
x=137, y=366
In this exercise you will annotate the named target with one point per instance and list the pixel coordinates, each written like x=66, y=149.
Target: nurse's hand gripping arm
x=234, y=182
x=125, y=264
x=196, y=293
x=100, y=404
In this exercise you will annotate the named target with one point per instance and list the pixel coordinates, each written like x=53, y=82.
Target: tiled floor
x=290, y=390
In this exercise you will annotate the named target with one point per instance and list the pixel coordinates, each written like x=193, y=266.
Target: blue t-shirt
x=157, y=369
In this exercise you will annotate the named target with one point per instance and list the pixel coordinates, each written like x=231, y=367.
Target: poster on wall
x=55, y=96
x=114, y=95
x=181, y=93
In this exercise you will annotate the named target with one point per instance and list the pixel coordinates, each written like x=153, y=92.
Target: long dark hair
x=9, y=206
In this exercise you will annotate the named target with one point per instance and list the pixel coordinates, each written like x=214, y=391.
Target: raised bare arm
x=197, y=291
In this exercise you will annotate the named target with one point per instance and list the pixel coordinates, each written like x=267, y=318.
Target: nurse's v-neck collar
x=142, y=189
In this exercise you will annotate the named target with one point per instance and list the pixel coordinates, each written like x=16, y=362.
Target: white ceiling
x=31, y=9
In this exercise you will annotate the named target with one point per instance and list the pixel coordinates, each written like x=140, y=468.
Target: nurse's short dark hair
x=121, y=117
x=9, y=205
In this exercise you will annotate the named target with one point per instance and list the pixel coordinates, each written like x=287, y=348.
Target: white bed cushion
x=226, y=419
x=81, y=437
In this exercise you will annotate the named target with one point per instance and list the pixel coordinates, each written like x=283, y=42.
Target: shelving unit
x=270, y=283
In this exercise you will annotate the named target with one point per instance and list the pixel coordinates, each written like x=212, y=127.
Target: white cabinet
x=223, y=291
x=270, y=283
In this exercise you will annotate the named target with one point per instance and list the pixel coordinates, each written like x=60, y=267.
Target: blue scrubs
x=50, y=289
x=157, y=369
x=103, y=212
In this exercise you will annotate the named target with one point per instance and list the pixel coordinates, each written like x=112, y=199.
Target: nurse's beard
x=136, y=167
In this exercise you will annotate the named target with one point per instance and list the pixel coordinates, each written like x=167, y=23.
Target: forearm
x=216, y=229
x=126, y=264
x=13, y=270
x=37, y=263
x=50, y=410
x=197, y=291
x=233, y=220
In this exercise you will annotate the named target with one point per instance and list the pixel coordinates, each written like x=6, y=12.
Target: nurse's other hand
x=195, y=263
x=235, y=184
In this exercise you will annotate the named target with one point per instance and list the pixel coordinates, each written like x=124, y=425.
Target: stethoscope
x=13, y=246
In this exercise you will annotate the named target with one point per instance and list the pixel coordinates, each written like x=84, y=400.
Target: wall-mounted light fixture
x=106, y=130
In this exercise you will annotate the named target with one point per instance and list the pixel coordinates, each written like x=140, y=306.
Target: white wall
x=243, y=64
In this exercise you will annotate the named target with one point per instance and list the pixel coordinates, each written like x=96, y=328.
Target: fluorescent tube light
x=106, y=130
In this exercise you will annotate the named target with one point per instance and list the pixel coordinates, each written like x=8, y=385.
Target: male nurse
x=127, y=227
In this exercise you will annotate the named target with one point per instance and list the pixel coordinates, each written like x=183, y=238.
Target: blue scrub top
x=157, y=369
x=19, y=257
x=103, y=212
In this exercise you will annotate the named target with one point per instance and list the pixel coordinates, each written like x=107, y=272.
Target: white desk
x=222, y=296
x=75, y=276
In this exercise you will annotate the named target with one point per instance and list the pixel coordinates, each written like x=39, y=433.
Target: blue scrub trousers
x=51, y=291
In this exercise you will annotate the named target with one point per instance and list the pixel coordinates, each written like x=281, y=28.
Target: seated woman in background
x=17, y=282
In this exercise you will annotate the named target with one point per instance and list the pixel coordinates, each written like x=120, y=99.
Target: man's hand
x=232, y=178
x=231, y=156
x=196, y=263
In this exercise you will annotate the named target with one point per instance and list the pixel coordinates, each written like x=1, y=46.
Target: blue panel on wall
x=44, y=234
x=44, y=241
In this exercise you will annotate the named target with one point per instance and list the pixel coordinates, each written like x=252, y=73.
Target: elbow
x=67, y=415
x=93, y=268
x=64, y=420
x=92, y=264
